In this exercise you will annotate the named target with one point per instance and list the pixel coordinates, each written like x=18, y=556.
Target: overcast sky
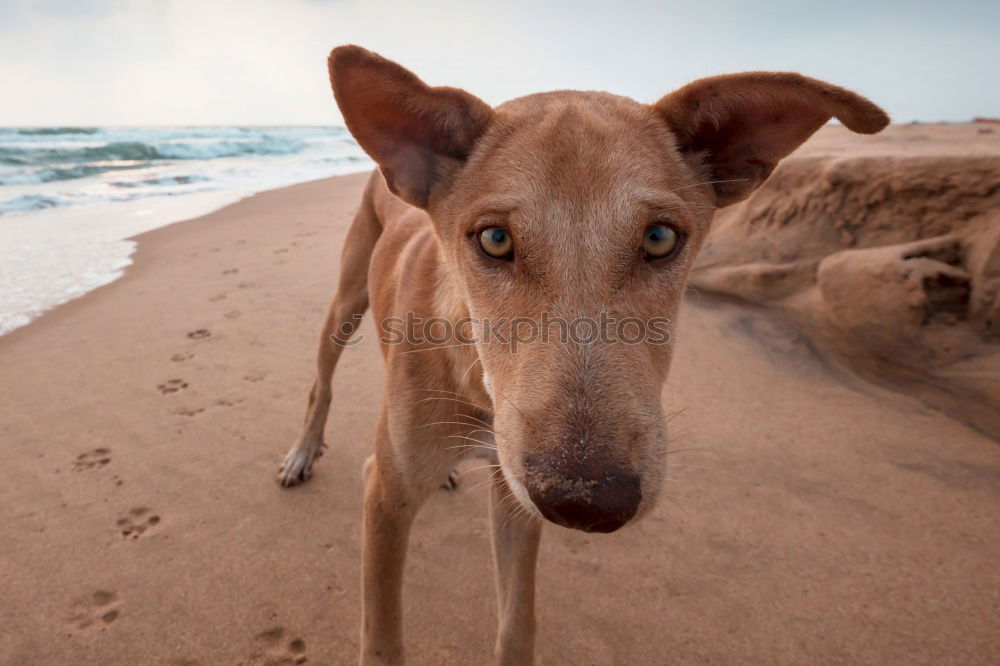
x=176, y=62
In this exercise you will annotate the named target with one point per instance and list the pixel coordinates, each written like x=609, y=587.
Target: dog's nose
x=591, y=505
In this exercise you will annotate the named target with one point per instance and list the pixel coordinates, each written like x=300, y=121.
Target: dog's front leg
x=389, y=511
x=515, y=536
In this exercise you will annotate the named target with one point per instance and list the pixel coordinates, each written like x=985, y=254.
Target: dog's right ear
x=418, y=135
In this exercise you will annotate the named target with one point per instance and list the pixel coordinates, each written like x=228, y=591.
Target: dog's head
x=571, y=220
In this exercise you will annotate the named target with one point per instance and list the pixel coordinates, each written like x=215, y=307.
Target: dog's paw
x=297, y=466
x=451, y=483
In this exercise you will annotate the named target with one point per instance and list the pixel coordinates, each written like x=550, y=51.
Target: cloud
x=263, y=61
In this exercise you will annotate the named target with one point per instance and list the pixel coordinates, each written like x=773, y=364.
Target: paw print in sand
x=95, y=612
x=273, y=647
x=91, y=459
x=172, y=386
x=136, y=522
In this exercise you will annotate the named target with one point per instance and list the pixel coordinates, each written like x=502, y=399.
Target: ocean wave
x=216, y=149
x=49, y=175
x=147, y=152
x=43, y=168
x=167, y=180
x=153, y=187
x=45, y=131
x=30, y=202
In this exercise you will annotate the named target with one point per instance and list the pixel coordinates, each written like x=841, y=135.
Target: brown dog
x=547, y=211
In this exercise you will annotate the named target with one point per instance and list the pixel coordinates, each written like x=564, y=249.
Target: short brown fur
x=575, y=178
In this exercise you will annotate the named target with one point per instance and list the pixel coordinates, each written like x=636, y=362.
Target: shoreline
x=70, y=197
x=118, y=253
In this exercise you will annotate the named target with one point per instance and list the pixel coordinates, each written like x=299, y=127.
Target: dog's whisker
x=486, y=424
x=437, y=390
x=511, y=404
x=672, y=519
x=460, y=398
x=715, y=469
x=488, y=480
x=476, y=421
x=515, y=512
x=677, y=412
x=461, y=423
x=508, y=512
x=467, y=448
x=481, y=426
x=513, y=509
x=506, y=504
x=518, y=409
x=478, y=445
x=694, y=448
x=668, y=416
x=679, y=438
x=472, y=447
x=437, y=348
x=449, y=399
x=469, y=432
x=476, y=469
x=709, y=182
x=470, y=450
x=674, y=502
x=466, y=373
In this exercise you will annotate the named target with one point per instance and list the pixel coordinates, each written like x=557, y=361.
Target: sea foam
x=71, y=196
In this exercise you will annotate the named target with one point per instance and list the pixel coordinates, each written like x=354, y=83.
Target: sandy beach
x=814, y=518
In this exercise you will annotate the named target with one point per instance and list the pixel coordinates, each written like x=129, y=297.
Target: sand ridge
x=886, y=254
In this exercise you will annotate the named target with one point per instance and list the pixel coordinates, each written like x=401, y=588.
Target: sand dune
x=813, y=517
x=886, y=253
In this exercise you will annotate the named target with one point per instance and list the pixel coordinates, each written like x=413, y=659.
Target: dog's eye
x=497, y=243
x=659, y=241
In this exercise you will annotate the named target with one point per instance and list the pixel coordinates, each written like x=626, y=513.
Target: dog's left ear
x=740, y=125
x=418, y=135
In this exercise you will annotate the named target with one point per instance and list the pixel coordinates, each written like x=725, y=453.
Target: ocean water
x=71, y=197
